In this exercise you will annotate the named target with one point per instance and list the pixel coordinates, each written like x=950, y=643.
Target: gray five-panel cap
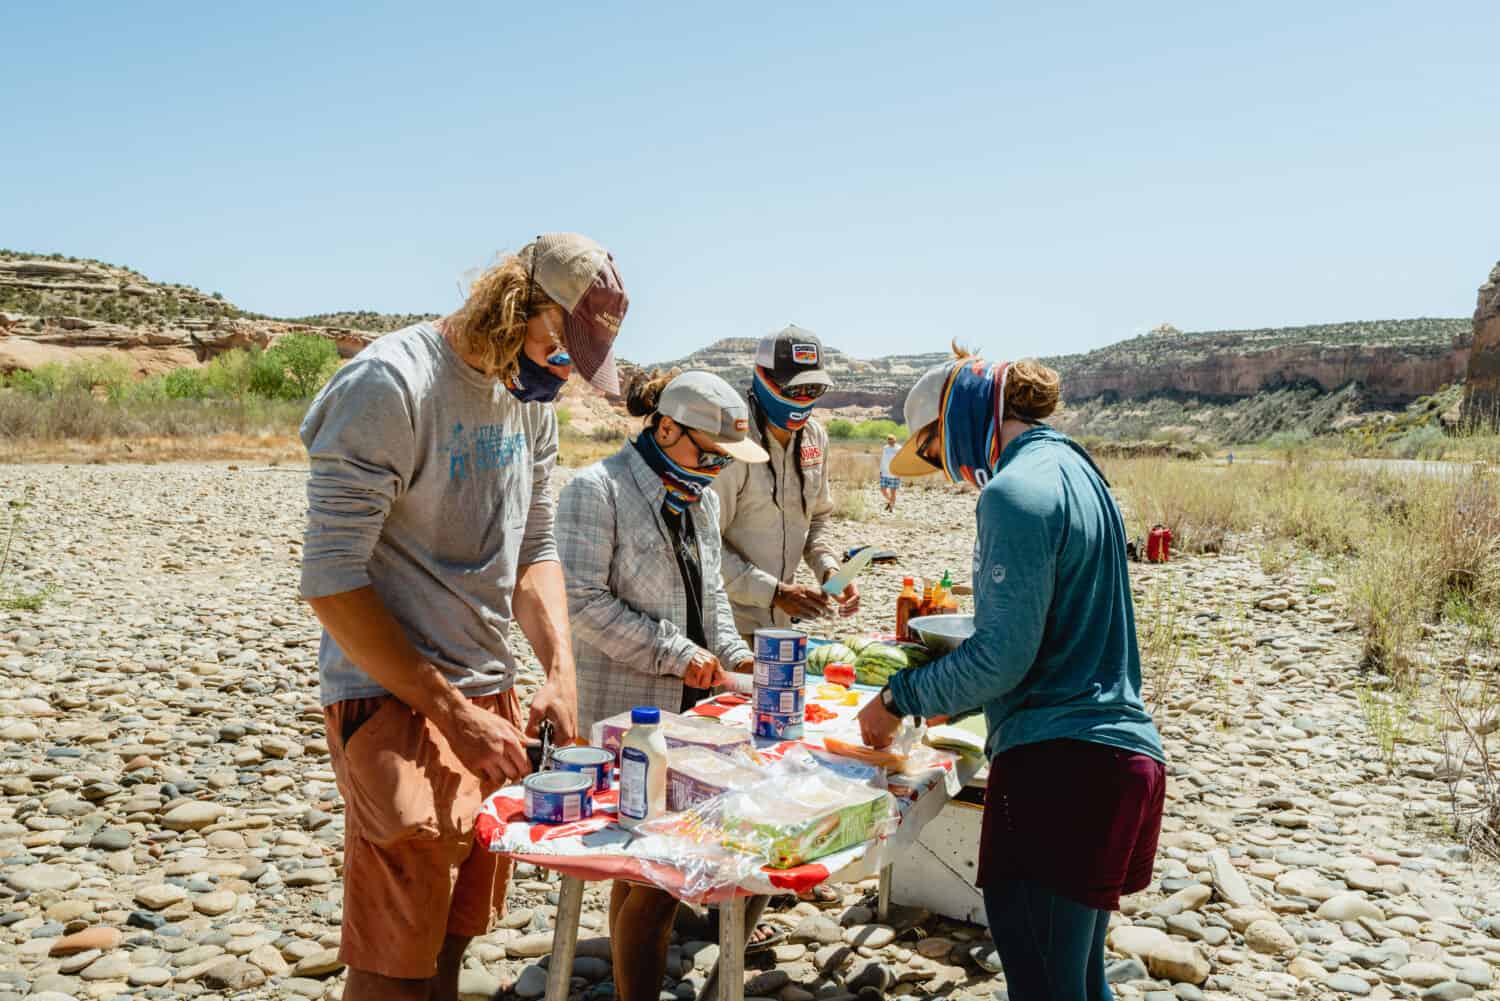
x=705, y=402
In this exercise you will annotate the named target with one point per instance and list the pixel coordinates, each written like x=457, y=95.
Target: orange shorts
x=413, y=873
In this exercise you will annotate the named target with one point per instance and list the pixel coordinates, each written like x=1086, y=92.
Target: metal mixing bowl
x=942, y=633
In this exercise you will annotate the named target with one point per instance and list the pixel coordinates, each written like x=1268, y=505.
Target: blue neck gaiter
x=534, y=383
x=684, y=486
x=784, y=412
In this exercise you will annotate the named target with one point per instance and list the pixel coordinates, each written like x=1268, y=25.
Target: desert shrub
x=851, y=504
x=267, y=376
x=1460, y=519
x=1386, y=585
x=1289, y=445
x=44, y=380
x=840, y=429
x=878, y=430
x=185, y=384
x=852, y=467
x=564, y=417
x=307, y=360
x=229, y=375
x=1425, y=442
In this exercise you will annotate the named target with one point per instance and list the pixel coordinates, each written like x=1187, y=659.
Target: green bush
x=185, y=384
x=43, y=381
x=268, y=378
x=307, y=361
x=1425, y=442
x=879, y=430
x=228, y=376
x=840, y=429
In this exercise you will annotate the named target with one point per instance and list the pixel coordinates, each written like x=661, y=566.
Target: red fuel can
x=1159, y=545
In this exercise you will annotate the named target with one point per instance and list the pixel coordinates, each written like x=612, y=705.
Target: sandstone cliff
x=1482, y=387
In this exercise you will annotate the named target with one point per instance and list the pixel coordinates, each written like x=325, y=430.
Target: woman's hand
x=849, y=599
x=802, y=601
x=704, y=671
x=877, y=726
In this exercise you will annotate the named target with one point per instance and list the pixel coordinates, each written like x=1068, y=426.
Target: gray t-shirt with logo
x=432, y=484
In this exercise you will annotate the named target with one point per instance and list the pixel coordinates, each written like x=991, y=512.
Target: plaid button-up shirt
x=626, y=597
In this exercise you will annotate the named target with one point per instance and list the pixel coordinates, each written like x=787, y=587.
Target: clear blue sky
x=1035, y=181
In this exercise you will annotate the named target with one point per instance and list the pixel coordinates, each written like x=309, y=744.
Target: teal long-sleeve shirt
x=1054, y=651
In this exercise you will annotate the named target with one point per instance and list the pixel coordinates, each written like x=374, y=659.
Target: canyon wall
x=1482, y=387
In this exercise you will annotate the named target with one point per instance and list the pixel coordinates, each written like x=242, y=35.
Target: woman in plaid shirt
x=638, y=534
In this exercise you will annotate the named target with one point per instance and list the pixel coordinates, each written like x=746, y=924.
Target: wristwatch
x=888, y=701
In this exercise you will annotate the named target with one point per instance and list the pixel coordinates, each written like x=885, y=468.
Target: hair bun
x=1032, y=390
x=644, y=392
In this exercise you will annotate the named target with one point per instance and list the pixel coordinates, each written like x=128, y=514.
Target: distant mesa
x=1222, y=386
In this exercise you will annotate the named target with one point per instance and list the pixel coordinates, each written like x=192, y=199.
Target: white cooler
x=938, y=873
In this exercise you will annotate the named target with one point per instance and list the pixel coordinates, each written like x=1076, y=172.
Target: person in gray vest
x=639, y=538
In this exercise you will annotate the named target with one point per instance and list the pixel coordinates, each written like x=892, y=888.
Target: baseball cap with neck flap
x=793, y=357
x=580, y=276
x=706, y=403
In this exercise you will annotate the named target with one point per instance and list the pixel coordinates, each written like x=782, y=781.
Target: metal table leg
x=564, y=939
x=732, y=950
x=883, y=899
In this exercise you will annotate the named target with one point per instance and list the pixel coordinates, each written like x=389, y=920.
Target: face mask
x=785, y=413
x=534, y=383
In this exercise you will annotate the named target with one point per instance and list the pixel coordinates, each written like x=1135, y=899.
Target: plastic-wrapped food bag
x=804, y=812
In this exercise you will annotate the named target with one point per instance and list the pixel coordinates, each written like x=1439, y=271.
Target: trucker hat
x=580, y=276
x=705, y=402
x=923, y=406
x=793, y=356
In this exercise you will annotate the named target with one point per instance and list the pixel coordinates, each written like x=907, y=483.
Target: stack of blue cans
x=780, y=683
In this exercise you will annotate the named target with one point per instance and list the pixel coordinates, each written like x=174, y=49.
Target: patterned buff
x=785, y=412
x=684, y=486
x=972, y=408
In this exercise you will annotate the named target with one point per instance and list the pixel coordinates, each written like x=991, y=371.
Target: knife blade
x=835, y=585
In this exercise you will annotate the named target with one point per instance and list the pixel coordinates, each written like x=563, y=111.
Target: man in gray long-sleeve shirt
x=430, y=529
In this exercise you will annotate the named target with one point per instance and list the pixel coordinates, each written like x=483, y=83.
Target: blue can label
x=782, y=701
x=775, y=675
x=595, y=762
x=558, y=797
x=781, y=726
x=780, y=646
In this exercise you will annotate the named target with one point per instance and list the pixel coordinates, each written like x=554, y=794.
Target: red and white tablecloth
x=597, y=848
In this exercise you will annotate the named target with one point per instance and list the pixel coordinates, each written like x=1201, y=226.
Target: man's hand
x=704, y=671
x=490, y=747
x=746, y=666
x=876, y=725
x=802, y=601
x=849, y=599
x=556, y=700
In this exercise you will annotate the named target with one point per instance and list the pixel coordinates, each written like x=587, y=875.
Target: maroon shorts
x=1080, y=818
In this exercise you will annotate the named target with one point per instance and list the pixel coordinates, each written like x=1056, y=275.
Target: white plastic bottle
x=643, y=768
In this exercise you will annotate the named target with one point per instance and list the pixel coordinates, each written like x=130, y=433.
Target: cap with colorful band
x=924, y=405
x=706, y=403
x=793, y=357
x=581, y=277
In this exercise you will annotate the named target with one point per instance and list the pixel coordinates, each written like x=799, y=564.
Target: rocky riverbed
x=169, y=825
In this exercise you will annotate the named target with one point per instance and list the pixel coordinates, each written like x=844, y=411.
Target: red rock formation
x=1482, y=387
x=1392, y=376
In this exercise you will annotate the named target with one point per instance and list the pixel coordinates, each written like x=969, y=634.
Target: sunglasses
x=804, y=394
x=707, y=459
x=925, y=444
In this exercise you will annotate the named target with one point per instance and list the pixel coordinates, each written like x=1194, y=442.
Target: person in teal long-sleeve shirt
x=1077, y=774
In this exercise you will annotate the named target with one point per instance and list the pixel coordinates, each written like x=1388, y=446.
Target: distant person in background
x=889, y=483
x=429, y=530
x=777, y=516
x=1077, y=773
x=639, y=536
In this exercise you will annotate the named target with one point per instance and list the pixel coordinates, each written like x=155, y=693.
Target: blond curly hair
x=491, y=324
